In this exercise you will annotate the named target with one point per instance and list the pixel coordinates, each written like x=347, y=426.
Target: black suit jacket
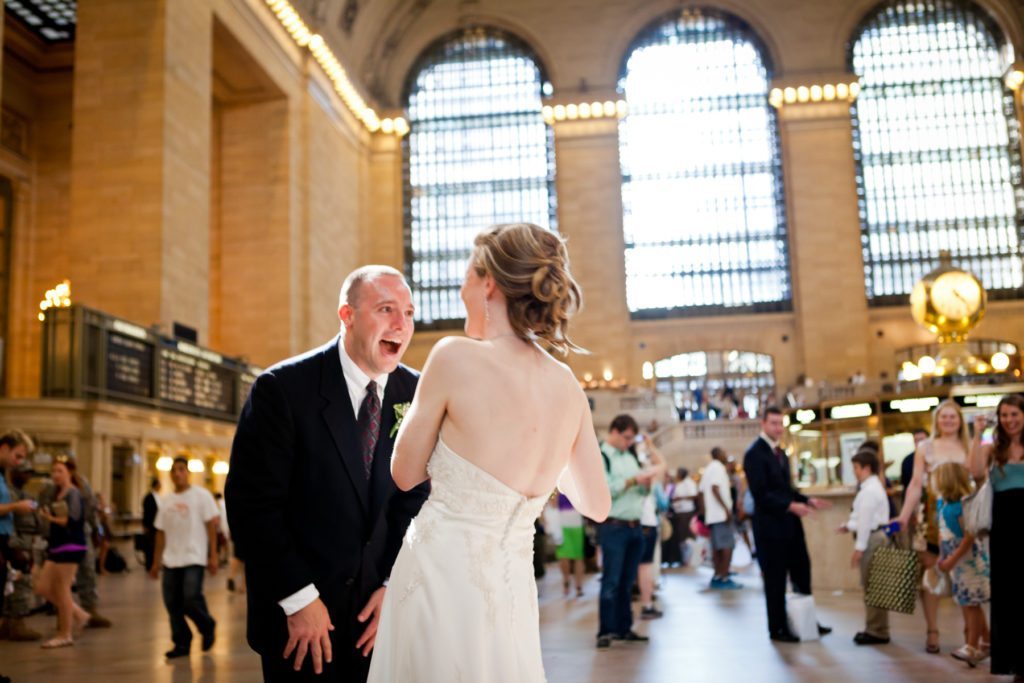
x=772, y=488
x=299, y=504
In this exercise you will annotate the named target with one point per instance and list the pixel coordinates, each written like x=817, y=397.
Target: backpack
x=608, y=463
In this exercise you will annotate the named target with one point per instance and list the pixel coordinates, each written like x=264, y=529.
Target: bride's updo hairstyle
x=530, y=265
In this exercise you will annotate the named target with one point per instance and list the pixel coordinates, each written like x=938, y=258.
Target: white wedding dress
x=461, y=605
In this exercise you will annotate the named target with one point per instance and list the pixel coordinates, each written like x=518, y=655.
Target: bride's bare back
x=510, y=409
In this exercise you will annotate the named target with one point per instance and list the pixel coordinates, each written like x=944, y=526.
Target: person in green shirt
x=620, y=536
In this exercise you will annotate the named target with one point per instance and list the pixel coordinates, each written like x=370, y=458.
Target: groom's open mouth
x=390, y=347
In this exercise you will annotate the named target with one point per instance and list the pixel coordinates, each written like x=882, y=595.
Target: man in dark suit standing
x=310, y=495
x=778, y=532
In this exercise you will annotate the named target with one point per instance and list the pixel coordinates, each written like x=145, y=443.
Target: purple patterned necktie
x=780, y=455
x=369, y=425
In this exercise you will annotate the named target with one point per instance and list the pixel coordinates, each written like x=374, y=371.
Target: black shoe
x=632, y=636
x=176, y=652
x=651, y=613
x=864, y=638
x=785, y=637
x=604, y=642
x=209, y=637
x=824, y=630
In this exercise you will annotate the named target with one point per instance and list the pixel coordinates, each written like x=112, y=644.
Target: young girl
x=965, y=559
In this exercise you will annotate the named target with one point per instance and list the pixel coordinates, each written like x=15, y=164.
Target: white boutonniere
x=400, y=410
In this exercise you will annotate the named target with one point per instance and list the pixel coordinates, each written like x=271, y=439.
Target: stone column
x=140, y=182
x=383, y=225
x=824, y=237
x=589, y=189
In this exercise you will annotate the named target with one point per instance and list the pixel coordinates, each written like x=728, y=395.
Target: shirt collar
x=867, y=482
x=354, y=375
x=773, y=444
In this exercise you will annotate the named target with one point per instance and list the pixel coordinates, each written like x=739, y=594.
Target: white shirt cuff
x=296, y=601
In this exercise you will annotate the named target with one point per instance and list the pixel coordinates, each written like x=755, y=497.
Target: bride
x=495, y=424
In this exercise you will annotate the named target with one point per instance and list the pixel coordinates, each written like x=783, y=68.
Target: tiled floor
x=704, y=636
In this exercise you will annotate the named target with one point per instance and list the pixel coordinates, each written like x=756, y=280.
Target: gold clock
x=948, y=301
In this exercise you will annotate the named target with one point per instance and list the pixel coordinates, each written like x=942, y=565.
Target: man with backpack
x=620, y=536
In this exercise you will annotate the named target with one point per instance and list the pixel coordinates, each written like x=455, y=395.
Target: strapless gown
x=461, y=605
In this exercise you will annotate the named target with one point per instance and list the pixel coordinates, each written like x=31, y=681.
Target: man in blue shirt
x=14, y=448
x=620, y=536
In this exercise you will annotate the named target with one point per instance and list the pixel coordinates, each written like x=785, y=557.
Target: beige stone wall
x=243, y=218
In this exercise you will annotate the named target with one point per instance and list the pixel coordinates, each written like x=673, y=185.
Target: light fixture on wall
x=1013, y=79
x=58, y=297
x=196, y=465
x=220, y=467
x=804, y=94
x=164, y=463
x=290, y=20
x=584, y=110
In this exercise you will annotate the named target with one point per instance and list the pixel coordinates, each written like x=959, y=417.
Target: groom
x=309, y=495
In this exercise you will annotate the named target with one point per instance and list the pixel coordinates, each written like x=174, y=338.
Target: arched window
x=703, y=211
x=937, y=147
x=478, y=152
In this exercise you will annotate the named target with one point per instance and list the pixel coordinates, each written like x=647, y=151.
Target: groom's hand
x=371, y=612
x=309, y=632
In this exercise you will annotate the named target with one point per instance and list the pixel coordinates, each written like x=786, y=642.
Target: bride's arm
x=583, y=480
x=418, y=433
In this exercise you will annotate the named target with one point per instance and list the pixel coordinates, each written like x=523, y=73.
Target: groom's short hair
x=358, y=277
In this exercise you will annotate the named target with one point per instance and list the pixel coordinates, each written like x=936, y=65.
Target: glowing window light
x=937, y=156
x=477, y=153
x=701, y=142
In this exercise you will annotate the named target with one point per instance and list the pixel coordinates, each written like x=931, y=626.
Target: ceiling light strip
x=315, y=43
x=803, y=94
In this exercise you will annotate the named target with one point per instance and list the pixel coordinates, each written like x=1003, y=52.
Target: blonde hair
x=961, y=434
x=952, y=481
x=530, y=266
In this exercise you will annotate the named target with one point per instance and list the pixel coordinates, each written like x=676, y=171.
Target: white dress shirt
x=357, y=381
x=870, y=511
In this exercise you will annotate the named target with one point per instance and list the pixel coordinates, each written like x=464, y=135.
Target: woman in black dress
x=1003, y=460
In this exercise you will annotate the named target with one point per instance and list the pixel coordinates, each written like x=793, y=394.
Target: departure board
x=89, y=354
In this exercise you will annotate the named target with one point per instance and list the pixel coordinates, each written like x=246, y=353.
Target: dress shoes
x=632, y=636
x=824, y=630
x=604, y=642
x=209, y=637
x=785, y=637
x=176, y=652
x=864, y=638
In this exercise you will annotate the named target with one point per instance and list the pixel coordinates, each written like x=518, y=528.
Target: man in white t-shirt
x=186, y=544
x=714, y=484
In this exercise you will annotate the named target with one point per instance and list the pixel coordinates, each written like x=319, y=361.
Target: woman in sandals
x=66, y=550
x=948, y=443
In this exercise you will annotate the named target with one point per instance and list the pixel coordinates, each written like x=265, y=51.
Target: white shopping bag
x=803, y=619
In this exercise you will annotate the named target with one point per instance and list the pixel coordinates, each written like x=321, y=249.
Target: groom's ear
x=345, y=314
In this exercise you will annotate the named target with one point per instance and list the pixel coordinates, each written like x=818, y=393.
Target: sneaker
x=604, y=642
x=967, y=654
x=651, y=613
x=726, y=585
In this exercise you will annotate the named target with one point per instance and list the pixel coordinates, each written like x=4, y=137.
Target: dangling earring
x=487, y=315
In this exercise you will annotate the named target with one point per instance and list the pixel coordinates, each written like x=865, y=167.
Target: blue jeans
x=621, y=548
x=183, y=597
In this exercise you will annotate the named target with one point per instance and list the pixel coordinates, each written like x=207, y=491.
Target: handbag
x=978, y=510
x=894, y=578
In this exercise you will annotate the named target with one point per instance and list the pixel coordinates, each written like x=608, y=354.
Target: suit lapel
x=339, y=414
x=381, y=480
